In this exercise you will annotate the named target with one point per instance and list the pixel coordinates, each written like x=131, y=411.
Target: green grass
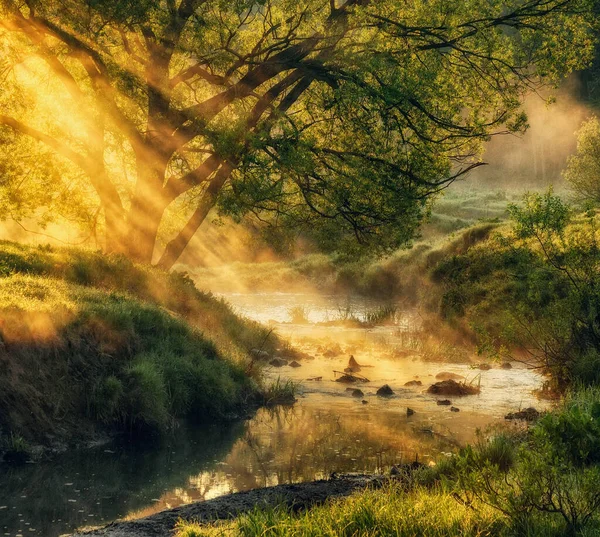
x=391, y=511
x=536, y=483
x=95, y=341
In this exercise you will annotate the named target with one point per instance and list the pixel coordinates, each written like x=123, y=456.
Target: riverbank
x=297, y=497
x=540, y=481
x=94, y=345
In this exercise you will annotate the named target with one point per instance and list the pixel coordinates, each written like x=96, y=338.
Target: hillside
x=94, y=343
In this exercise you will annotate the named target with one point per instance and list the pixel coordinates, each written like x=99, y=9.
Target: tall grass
x=93, y=339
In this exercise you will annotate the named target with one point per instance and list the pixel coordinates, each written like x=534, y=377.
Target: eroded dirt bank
x=298, y=496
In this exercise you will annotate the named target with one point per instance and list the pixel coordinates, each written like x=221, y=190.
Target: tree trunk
x=176, y=246
x=146, y=212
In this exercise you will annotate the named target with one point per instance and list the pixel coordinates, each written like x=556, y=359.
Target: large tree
x=354, y=112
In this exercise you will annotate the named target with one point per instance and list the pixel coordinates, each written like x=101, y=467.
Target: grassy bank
x=542, y=482
x=93, y=342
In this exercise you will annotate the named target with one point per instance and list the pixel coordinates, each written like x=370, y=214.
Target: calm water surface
x=327, y=431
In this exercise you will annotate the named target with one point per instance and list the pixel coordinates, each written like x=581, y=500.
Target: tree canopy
x=353, y=113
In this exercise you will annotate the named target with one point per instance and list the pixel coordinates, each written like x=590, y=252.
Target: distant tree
x=350, y=112
x=583, y=168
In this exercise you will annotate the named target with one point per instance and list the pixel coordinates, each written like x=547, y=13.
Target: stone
x=385, y=391
x=444, y=402
x=294, y=364
x=454, y=409
x=413, y=383
x=277, y=362
x=451, y=387
x=409, y=412
x=528, y=414
x=357, y=393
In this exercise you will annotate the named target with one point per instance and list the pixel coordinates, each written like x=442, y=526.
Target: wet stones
x=451, y=387
x=454, y=409
x=528, y=414
x=277, y=362
x=413, y=383
x=506, y=365
x=409, y=412
x=483, y=367
x=444, y=402
x=357, y=393
x=385, y=391
x=348, y=379
x=294, y=364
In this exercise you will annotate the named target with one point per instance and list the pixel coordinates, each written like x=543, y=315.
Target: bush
x=554, y=472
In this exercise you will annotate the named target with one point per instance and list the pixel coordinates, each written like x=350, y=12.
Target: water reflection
x=306, y=442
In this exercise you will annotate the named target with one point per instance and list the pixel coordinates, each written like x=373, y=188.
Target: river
x=327, y=430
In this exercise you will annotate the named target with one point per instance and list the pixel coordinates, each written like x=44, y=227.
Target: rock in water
x=295, y=364
x=277, y=362
x=353, y=363
x=357, y=393
x=454, y=409
x=451, y=387
x=529, y=414
x=413, y=383
x=506, y=365
x=385, y=391
x=444, y=402
x=409, y=412
x=365, y=402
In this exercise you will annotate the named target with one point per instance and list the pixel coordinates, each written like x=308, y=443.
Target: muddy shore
x=297, y=496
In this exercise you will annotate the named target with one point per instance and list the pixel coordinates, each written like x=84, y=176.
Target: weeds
x=280, y=393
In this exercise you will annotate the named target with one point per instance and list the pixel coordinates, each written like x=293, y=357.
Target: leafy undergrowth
x=91, y=340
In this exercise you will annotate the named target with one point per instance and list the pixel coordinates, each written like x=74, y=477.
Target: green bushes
x=546, y=477
x=535, y=286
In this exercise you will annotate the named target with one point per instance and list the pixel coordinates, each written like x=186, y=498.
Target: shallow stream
x=328, y=430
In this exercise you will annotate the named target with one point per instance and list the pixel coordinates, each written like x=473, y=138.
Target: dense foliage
x=338, y=119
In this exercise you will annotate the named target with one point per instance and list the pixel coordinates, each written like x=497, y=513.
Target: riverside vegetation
x=526, y=289
x=115, y=347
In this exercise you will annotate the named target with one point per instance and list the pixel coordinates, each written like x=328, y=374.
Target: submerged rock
x=444, y=402
x=451, y=387
x=385, y=391
x=506, y=365
x=357, y=393
x=528, y=414
x=454, y=409
x=277, y=362
x=484, y=367
x=409, y=412
x=295, y=364
x=365, y=402
x=413, y=383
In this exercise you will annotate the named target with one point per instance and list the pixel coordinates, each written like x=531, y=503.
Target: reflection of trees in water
x=281, y=445
x=108, y=484
x=304, y=443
